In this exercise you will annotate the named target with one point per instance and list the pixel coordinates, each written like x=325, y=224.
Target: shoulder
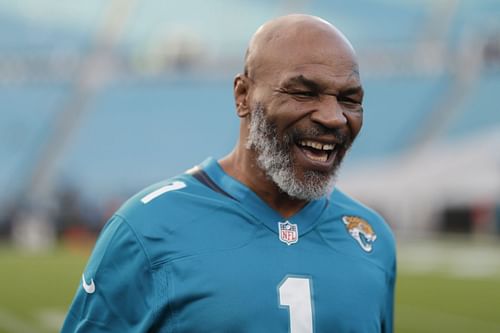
x=116, y=243
x=180, y=196
x=367, y=227
x=180, y=217
x=340, y=201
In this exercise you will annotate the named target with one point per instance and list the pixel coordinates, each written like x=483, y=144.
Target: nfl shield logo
x=288, y=232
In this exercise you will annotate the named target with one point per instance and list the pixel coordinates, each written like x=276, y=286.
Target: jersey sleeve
x=116, y=290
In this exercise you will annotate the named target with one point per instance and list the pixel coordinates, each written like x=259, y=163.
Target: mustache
x=317, y=130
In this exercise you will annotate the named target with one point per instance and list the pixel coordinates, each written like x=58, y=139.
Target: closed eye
x=303, y=93
x=351, y=105
x=348, y=100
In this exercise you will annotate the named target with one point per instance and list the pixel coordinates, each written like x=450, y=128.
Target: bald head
x=292, y=38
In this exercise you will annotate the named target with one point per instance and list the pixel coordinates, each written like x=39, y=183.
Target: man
x=258, y=241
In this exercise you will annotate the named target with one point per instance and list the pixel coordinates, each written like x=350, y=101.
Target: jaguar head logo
x=361, y=231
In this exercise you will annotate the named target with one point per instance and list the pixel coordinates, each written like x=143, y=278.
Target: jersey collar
x=249, y=201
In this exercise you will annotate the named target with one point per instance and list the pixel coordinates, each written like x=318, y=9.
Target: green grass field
x=448, y=287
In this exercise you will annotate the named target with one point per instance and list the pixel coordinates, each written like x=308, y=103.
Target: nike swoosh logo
x=89, y=288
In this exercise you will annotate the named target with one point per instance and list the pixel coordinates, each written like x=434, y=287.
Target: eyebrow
x=315, y=86
x=352, y=91
x=301, y=80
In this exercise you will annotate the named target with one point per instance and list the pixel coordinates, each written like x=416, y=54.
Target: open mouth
x=317, y=151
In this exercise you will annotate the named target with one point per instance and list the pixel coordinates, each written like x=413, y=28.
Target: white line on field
x=447, y=320
x=51, y=318
x=13, y=324
x=464, y=260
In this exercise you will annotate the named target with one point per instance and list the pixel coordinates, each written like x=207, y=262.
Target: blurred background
x=99, y=99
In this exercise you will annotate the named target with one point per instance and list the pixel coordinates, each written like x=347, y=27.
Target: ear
x=241, y=90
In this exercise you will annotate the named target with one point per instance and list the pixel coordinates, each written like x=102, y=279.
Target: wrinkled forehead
x=302, y=49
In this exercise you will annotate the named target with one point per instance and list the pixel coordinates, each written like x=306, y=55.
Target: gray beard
x=274, y=157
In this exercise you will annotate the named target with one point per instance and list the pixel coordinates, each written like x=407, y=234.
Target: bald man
x=261, y=240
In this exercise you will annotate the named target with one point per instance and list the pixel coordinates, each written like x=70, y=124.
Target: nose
x=329, y=113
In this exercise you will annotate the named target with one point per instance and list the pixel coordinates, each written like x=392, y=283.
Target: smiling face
x=304, y=98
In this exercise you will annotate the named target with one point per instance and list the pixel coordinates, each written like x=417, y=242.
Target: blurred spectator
x=491, y=51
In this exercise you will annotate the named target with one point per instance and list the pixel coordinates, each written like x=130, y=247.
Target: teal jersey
x=201, y=252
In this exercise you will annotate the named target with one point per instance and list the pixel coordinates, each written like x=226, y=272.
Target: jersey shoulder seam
x=137, y=238
x=108, y=244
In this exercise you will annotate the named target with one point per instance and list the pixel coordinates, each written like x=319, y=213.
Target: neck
x=241, y=164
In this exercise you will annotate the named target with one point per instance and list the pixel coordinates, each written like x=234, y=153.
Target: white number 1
x=295, y=293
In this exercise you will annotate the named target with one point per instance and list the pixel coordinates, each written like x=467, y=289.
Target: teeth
x=317, y=145
x=322, y=158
